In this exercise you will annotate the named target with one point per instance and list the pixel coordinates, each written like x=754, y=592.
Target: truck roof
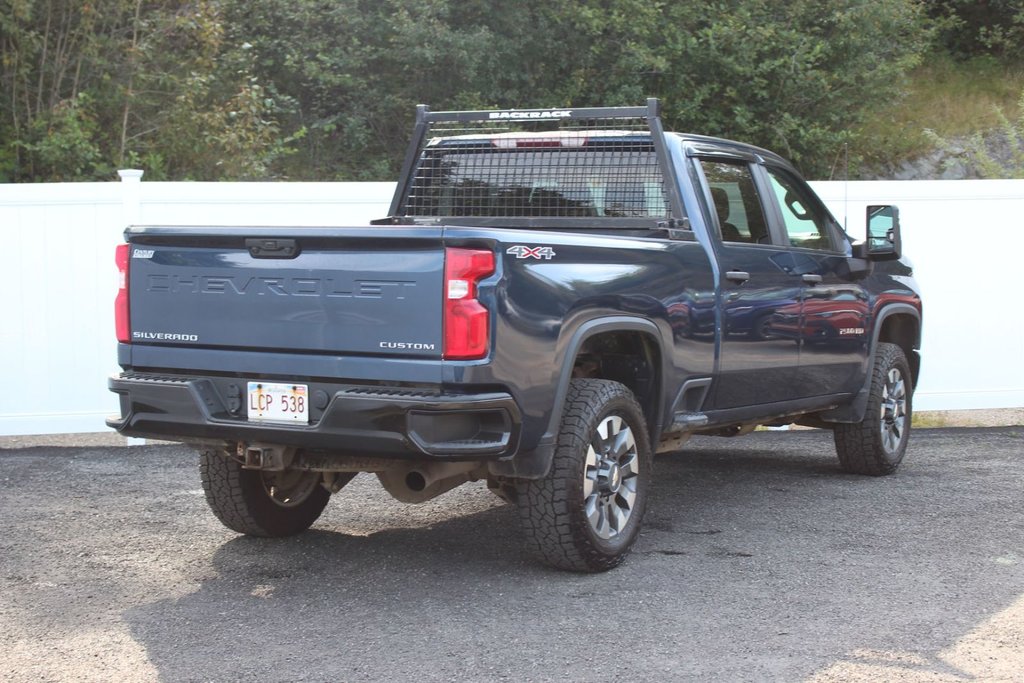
x=706, y=144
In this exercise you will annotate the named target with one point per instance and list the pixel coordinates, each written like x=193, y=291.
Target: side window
x=806, y=225
x=736, y=202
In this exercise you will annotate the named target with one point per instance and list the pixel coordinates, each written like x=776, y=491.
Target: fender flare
x=536, y=463
x=587, y=330
x=853, y=411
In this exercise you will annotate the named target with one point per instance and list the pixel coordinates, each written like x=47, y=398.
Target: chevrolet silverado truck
x=554, y=296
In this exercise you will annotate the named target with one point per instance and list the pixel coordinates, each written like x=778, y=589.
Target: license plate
x=278, y=402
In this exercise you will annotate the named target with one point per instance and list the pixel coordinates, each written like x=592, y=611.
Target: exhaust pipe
x=424, y=482
x=415, y=481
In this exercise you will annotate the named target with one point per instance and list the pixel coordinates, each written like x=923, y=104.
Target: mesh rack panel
x=593, y=166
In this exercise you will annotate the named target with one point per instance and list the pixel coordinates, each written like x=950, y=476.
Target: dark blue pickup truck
x=554, y=296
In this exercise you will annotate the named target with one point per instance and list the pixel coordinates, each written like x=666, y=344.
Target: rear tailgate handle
x=272, y=247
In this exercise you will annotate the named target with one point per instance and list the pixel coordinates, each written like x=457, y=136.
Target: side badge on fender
x=521, y=251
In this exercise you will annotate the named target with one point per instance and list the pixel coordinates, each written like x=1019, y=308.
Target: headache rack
x=558, y=167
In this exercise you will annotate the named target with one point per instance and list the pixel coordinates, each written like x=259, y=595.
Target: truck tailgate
x=308, y=290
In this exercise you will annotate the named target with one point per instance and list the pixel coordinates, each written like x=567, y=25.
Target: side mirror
x=884, y=242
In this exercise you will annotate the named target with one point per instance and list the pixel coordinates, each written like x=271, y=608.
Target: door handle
x=812, y=279
x=737, y=276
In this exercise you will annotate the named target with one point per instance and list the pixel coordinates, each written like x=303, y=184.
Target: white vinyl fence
x=58, y=279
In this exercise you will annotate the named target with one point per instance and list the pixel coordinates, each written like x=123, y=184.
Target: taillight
x=121, y=324
x=539, y=140
x=466, y=321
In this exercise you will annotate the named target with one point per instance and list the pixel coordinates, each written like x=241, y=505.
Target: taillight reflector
x=121, y=320
x=466, y=320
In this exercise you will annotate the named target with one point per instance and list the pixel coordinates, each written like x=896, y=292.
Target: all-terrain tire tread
x=859, y=445
x=549, y=521
x=236, y=497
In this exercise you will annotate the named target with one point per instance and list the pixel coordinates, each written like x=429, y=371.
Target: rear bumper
x=360, y=420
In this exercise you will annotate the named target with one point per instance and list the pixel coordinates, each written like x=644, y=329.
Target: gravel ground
x=759, y=561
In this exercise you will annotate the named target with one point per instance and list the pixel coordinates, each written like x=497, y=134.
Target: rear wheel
x=260, y=503
x=586, y=513
x=876, y=445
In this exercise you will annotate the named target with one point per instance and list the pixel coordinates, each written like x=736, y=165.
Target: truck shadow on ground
x=750, y=560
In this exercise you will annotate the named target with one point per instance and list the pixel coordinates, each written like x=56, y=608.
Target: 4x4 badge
x=521, y=251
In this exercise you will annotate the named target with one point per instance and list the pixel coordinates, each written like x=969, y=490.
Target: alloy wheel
x=893, y=410
x=611, y=477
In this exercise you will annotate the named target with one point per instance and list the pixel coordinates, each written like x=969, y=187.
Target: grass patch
x=953, y=98
x=999, y=417
x=929, y=419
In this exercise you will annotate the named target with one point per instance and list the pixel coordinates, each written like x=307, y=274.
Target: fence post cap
x=130, y=174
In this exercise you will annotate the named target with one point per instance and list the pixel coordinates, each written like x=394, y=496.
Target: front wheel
x=586, y=513
x=260, y=503
x=876, y=445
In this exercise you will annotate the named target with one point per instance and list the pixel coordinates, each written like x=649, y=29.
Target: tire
x=256, y=503
x=761, y=329
x=876, y=445
x=586, y=513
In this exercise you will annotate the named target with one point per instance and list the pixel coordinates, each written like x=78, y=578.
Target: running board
x=683, y=422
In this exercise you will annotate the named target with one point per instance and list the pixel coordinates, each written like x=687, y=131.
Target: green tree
x=969, y=28
x=88, y=87
x=796, y=77
x=213, y=89
x=192, y=108
x=350, y=72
